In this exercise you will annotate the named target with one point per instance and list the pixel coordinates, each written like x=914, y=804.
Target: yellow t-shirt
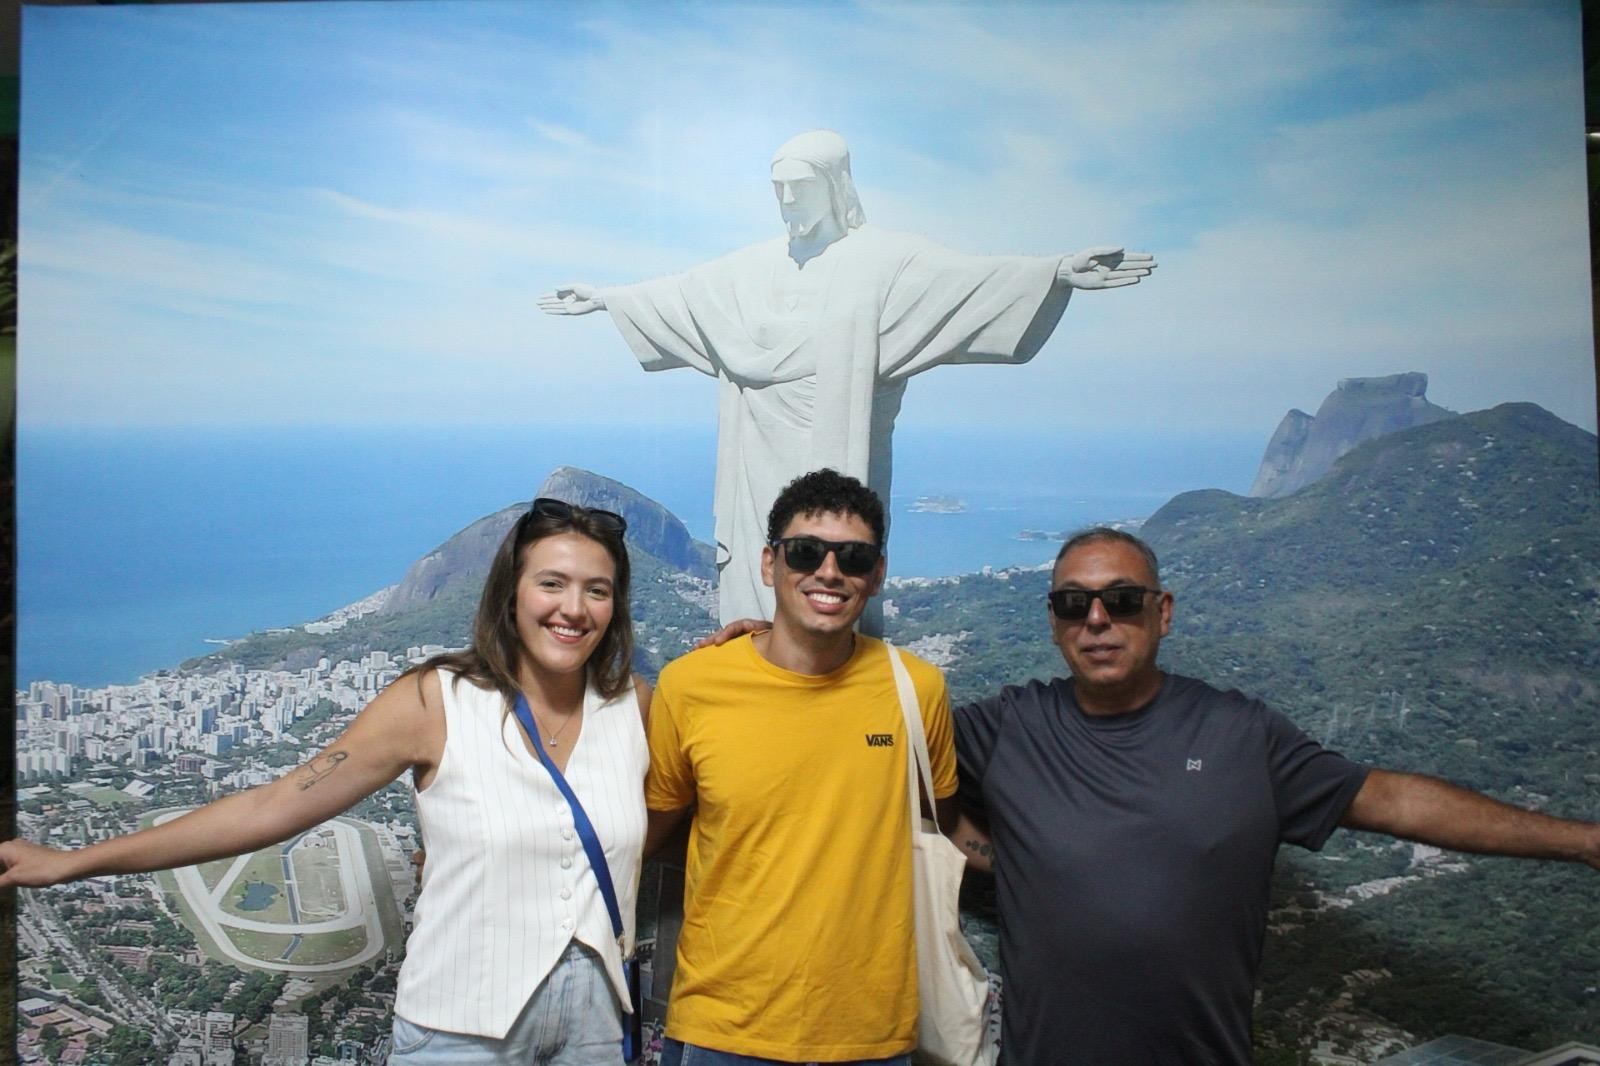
x=798, y=939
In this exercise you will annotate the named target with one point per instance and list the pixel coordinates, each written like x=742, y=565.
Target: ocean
x=138, y=547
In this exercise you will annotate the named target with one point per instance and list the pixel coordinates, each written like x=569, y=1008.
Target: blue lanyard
x=591, y=843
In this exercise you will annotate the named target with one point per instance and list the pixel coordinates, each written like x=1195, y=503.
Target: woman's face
x=565, y=597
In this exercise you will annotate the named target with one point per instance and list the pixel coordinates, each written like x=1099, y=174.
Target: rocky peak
x=1305, y=447
x=465, y=557
x=651, y=527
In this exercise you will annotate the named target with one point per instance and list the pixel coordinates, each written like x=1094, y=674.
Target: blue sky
x=284, y=214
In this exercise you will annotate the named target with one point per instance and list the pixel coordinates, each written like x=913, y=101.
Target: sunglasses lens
x=856, y=558
x=1120, y=603
x=804, y=553
x=1070, y=605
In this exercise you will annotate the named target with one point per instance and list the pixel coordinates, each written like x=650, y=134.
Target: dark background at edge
x=10, y=19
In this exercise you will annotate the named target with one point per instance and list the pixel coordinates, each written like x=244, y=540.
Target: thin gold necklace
x=550, y=741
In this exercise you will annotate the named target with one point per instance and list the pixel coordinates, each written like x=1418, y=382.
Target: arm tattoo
x=978, y=847
x=321, y=766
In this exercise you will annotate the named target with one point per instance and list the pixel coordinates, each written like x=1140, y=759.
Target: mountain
x=463, y=560
x=674, y=594
x=460, y=561
x=1304, y=447
x=1432, y=604
x=1467, y=551
x=651, y=527
x=1457, y=564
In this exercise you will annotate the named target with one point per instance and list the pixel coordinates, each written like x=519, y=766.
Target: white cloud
x=1305, y=232
x=134, y=267
x=560, y=134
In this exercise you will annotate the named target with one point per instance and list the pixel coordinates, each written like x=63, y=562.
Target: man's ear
x=878, y=573
x=769, y=563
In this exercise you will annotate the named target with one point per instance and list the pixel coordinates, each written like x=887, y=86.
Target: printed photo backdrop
x=278, y=342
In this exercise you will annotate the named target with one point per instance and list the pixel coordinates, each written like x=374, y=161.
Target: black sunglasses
x=855, y=557
x=562, y=511
x=1120, y=601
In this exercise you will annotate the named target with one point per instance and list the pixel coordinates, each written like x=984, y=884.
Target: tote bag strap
x=917, y=762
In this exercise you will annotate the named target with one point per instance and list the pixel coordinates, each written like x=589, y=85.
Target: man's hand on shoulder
x=732, y=631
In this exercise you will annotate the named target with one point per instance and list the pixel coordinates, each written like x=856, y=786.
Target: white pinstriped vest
x=507, y=884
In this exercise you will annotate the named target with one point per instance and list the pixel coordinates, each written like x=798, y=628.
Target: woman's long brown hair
x=494, y=658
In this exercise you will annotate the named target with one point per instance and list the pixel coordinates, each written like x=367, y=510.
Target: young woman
x=512, y=958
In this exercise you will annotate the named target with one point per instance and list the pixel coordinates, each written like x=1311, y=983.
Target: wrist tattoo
x=321, y=766
x=978, y=847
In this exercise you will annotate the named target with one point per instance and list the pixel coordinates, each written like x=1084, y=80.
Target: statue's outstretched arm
x=574, y=299
x=1104, y=268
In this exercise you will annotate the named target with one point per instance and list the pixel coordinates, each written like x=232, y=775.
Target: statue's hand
x=1104, y=268
x=574, y=299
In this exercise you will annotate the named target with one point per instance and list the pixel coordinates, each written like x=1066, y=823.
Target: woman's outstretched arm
x=402, y=728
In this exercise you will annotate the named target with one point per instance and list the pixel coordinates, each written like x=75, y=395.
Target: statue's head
x=811, y=177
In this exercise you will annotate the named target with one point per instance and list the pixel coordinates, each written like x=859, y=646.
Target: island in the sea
x=939, y=505
x=1129, y=525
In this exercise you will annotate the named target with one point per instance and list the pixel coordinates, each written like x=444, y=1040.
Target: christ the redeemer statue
x=812, y=338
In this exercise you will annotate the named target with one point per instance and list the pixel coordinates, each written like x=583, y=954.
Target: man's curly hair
x=825, y=492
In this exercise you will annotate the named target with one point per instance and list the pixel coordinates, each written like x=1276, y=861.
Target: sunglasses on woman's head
x=562, y=511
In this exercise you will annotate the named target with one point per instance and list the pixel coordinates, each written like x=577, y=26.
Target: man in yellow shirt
x=798, y=934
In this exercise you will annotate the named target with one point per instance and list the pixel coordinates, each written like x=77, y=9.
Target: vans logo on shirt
x=880, y=740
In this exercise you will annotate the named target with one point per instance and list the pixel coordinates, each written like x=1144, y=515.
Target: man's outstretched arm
x=1431, y=811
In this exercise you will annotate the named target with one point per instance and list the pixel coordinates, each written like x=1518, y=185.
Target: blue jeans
x=677, y=1053
x=572, y=1019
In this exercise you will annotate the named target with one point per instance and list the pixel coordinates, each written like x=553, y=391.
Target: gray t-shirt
x=1134, y=855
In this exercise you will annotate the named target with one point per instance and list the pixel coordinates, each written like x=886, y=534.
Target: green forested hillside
x=1431, y=602
x=1429, y=605
x=667, y=624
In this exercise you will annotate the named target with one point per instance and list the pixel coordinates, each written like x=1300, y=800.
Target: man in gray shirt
x=1136, y=814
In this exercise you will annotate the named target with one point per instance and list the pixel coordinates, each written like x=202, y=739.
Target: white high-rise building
x=287, y=1040
x=218, y=1032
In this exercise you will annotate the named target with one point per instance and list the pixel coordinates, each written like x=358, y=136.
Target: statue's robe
x=814, y=378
